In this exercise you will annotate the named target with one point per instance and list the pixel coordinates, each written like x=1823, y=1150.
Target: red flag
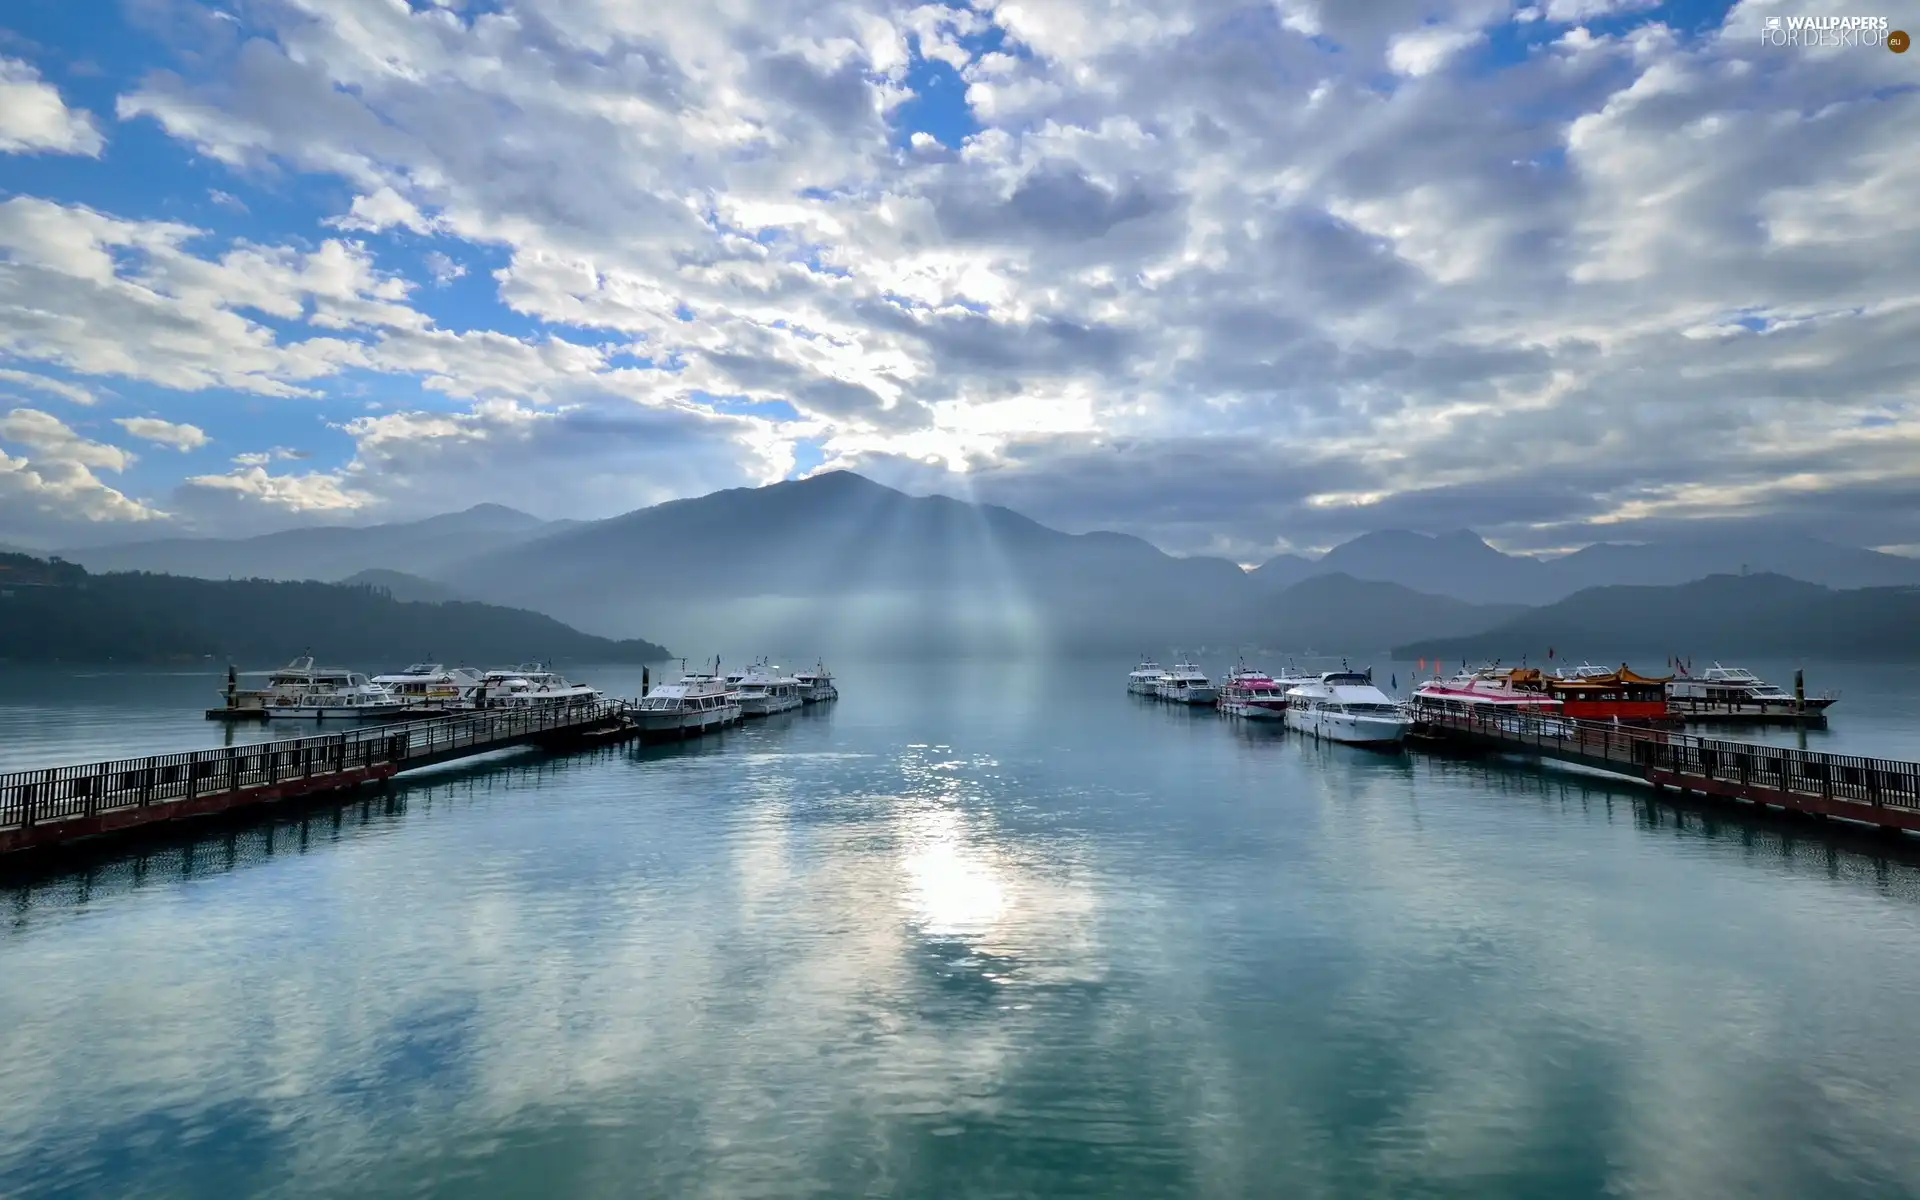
x=1423, y=664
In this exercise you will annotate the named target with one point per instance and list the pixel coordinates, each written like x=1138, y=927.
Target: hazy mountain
x=839, y=562
x=1464, y=566
x=1338, y=613
x=1284, y=570
x=1722, y=616
x=401, y=586
x=62, y=614
x=326, y=552
x=1731, y=553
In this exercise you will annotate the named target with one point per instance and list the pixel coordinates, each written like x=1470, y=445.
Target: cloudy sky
x=1236, y=275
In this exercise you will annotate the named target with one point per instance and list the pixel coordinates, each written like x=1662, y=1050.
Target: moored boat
x=434, y=686
x=1253, y=694
x=697, y=702
x=1593, y=693
x=1186, y=683
x=762, y=691
x=1734, y=693
x=816, y=686
x=302, y=691
x=1345, y=706
x=1145, y=679
x=531, y=685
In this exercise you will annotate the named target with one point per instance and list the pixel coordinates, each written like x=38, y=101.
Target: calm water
x=974, y=931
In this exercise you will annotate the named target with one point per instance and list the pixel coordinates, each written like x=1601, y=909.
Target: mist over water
x=979, y=929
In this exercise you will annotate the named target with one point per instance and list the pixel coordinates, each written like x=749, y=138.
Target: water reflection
x=933, y=946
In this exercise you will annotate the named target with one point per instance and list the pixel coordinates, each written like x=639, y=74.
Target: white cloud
x=313, y=492
x=52, y=387
x=56, y=440
x=34, y=119
x=1425, y=51
x=58, y=480
x=443, y=269
x=1182, y=233
x=165, y=433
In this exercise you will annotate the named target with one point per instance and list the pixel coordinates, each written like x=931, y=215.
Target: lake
x=974, y=930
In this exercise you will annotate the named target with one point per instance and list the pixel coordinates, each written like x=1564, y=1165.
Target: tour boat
x=762, y=691
x=1489, y=689
x=816, y=685
x=1187, y=684
x=434, y=685
x=1145, y=680
x=1603, y=694
x=697, y=702
x=301, y=691
x=531, y=685
x=1253, y=694
x=1344, y=706
x=1736, y=691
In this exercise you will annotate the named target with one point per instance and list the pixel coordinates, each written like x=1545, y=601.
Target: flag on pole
x=1549, y=651
x=1396, y=681
x=1423, y=664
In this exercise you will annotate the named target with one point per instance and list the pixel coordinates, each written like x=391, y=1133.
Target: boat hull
x=766, y=706
x=674, y=725
x=1253, y=710
x=1190, y=695
x=1349, y=729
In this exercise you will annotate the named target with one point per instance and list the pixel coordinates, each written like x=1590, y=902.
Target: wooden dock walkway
x=1874, y=791
x=62, y=805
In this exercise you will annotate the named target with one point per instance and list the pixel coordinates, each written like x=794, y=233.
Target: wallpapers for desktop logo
x=1833, y=32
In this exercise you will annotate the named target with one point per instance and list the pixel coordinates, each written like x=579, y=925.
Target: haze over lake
x=992, y=928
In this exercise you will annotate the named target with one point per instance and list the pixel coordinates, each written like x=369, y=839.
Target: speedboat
x=1187, y=684
x=1345, y=706
x=1253, y=694
x=695, y=703
x=1145, y=679
x=816, y=685
x=762, y=691
x=434, y=685
x=302, y=691
x=531, y=685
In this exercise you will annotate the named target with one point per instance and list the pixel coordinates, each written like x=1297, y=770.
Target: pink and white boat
x=1254, y=695
x=1490, y=689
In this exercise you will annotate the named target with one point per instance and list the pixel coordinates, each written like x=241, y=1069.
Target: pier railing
x=59, y=793
x=1749, y=766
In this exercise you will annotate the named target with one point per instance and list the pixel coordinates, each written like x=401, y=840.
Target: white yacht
x=532, y=685
x=1737, y=690
x=762, y=691
x=697, y=702
x=1344, y=706
x=302, y=691
x=1253, y=694
x=1145, y=679
x=434, y=685
x=816, y=685
x=1187, y=684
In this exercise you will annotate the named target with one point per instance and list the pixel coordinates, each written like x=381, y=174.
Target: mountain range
x=327, y=553
x=1726, y=616
x=1464, y=566
x=837, y=562
x=58, y=612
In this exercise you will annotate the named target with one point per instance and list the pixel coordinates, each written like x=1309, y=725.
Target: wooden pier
x=62, y=805
x=1873, y=791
